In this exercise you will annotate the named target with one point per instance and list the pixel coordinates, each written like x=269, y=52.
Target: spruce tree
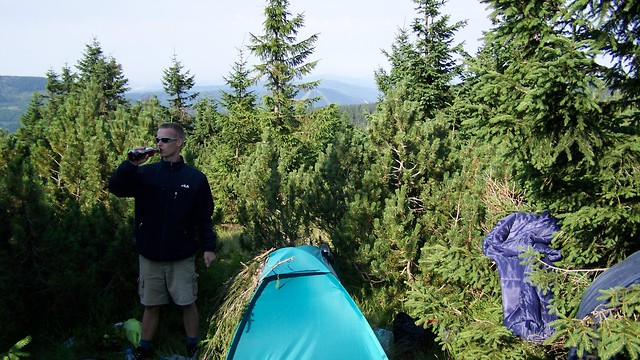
x=178, y=85
x=613, y=28
x=566, y=145
x=224, y=139
x=97, y=68
x=430, y=63
x=540, y=100
x=240, y=81
x=58, y=85
x=58, y=171
x=283, y=62
x=292, y=139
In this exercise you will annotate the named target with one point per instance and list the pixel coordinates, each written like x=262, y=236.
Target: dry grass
x=501, y=197
x=235, y=297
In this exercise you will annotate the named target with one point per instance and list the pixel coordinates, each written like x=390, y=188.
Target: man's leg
x=191, y=320
x=150, y=320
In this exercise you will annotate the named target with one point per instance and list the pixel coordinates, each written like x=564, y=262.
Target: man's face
x=168, y=143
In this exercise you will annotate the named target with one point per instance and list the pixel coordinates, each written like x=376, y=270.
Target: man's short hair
x=175, y=127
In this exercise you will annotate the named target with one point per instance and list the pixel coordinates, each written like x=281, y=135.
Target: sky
x=206, y=35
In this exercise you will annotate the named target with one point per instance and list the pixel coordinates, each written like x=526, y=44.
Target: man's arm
x=120, y=182
x=205, y=223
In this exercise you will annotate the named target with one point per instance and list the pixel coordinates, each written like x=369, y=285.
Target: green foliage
x=358, y=114
x=457, y=291
x=407, y=154
x=103, y=72
x=542, y=106
x=613, y=29
x=428, y=65
x=68, y=245
x=225, y=140
x=271, y=211
x=290, y=188
x=221, y=143
x=16, y=353
x=279, y=198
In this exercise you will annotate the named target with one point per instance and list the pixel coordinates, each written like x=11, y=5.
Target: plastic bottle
x=128, y=354
x=136, y=154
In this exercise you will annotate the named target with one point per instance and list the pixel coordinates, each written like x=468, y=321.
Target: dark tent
x=622, y=274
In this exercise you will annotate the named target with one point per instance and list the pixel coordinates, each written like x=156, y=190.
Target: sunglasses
x=165, y=140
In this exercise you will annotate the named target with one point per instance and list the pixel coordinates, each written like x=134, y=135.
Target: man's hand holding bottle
x=140, y=155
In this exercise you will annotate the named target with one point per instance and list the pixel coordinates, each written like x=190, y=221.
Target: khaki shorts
x=160, y=281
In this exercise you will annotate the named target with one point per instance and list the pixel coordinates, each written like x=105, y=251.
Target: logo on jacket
x=186, y=186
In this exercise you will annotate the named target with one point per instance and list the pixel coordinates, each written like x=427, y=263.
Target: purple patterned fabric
x=524, y=305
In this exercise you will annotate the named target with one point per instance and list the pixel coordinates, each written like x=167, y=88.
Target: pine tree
x=430, y=64
x=24, y=223
x=178, y=85
x=613, y=28
x=240, y=81
x=283, y=62
x=97, y=68
x=410, y=142
x=78, y=108
x=54, y=200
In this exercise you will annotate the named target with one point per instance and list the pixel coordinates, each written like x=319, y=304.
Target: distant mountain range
x=16, y=93
x=330, y=91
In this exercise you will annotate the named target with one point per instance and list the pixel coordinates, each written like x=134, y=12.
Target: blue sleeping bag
x=524, y=305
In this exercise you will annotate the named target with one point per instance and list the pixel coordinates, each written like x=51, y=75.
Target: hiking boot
x=192, y=351
x=142, y=353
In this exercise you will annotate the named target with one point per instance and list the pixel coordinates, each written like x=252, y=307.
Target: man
x=173, y=206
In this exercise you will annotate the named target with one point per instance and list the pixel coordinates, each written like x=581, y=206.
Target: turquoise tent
x=301, y=311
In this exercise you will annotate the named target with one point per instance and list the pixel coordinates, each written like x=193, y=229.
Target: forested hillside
x=15, y=94
x=533, y=122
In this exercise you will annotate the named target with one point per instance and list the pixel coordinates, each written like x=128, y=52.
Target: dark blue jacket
x=173, y=205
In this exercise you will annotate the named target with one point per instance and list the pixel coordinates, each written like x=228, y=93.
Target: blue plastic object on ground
x=128, y=354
